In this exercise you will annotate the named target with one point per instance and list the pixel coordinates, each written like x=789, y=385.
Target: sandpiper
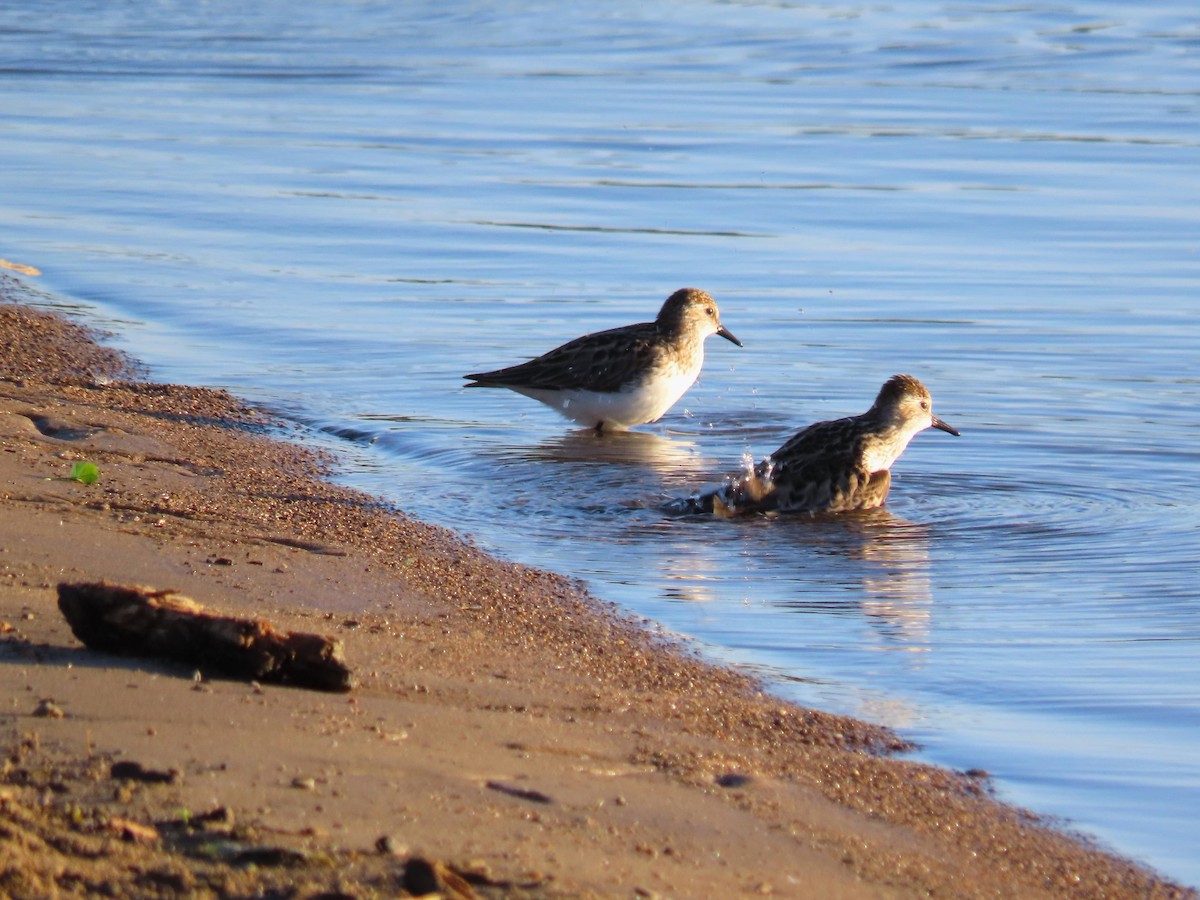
x=614, y=379
x=834, y=466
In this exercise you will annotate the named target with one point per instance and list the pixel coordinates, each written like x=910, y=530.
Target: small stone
x=48, y=709
x=422, y=876
x=390, y=845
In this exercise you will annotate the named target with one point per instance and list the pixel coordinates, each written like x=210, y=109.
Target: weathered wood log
x=142, y=621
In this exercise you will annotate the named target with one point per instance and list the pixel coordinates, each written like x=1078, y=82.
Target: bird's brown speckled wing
x=817, y=470
x=602, y=362
x=820, y=470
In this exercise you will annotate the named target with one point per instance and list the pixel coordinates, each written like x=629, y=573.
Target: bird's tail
x=690, y=506
x=750, y=492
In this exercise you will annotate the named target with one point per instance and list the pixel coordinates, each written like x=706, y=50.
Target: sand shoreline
x=508, y=727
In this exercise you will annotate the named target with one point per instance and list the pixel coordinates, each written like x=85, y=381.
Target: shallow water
x=338, y=209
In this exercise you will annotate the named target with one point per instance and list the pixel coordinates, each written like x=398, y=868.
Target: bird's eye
x=925, y=405
x=708, y=310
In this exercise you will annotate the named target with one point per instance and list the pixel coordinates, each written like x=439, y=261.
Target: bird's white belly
x=618, y=410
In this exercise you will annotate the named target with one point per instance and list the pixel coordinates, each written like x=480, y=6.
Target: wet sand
x=510, y=734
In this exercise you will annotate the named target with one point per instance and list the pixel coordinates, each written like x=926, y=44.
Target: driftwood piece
x=142, y=621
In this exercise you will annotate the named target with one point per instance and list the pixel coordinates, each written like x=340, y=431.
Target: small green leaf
x=85, y=473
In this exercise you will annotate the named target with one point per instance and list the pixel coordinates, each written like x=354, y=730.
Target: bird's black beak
x=728, y=335
x=942, y=426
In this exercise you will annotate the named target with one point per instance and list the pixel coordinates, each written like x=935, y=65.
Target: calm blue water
x=339, y=208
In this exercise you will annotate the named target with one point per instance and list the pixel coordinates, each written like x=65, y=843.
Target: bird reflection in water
x=631, y=448
x=877, y=562
x=896, y=582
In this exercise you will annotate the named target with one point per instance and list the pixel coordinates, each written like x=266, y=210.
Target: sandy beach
x=509, y=735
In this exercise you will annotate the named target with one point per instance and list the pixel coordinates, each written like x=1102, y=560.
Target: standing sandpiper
x=834, y=466
x=614, y=379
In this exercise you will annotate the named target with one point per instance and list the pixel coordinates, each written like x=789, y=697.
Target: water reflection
x=881, y=565
x=623, y=448
x=872, y=564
